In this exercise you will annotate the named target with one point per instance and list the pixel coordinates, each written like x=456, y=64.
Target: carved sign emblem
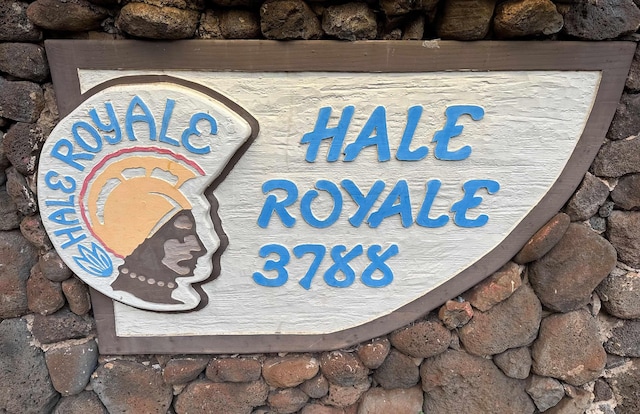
x=286, y=199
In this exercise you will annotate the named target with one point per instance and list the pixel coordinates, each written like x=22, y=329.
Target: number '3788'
x=340, y=274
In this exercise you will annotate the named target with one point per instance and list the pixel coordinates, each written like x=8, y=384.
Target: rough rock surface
x=565, y=277
x=17, y=257
x=587, y=199
x=626, y=193
x=181, y=370
x=515, y=362
x=397, y=371
x=24, y=60
x=289, y=19
x=290, y=371
x=343, y=368
x=43, y=296
x=400, y=7
x=624, y=339
x=381, y=401
x=601, y=20
x=544, y=391
x=240, y=24
x=287, y=400
x=554, y=352
x=84, y=403
x=9, y=217
x=633, y=79
x=234, y=370
x=209, y=27
x=509, y=324
x=456, y=382
x=619, y=294
x=623, y=124
x=496, y=288
x=624, y=234
x=71, y=365
x=16, y=26
x=454, y=314
x=153, y=22
x=617, y=158
x=516, y=18
x=422, y=339
x=21, y=145
x=350, y=21
x=373, y=353
x=204, y=396
x=316, y=387
x=20, y=101
x=465, y=19
x=53, y=268
x=33, y=230
x=19, y=191
x=544, y=239
x=340, y=396
x=145, y=390
x=66, y=15
x=576, y=402
x=61, y=326
x=26, y=386
x=77, y=295
x=625, y=383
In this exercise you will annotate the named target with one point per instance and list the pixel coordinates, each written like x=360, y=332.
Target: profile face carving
x=124, y=178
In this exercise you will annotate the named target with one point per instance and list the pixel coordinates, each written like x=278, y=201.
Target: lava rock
x=544, y=239
x=624, y=234
x=544, y=391
x=576, y=402
x=414, y=29
x=289, y=371
x=587, y=199
x=512, y=323
x=381, y=401
x=516, y=18
x=465, y=19
x=287, y=400
x=19, y=191
x=515, y=363
x=66, y=15
x=401, y=7
x=605, y=19
x=209, y=27
x=624, y=339
x=340, y=396
x=397, y=371
x=422, y=339
x=182, y=370
x=61, y=326
x=496, y=288
x=43, y=296
x=9, y=217
x=623, y=124
x=24, y=60
x=33, y=230
x=372, y=354
x=289, y=19
x=626, y=193
x=455, y=314
x=84, y=403
x=633, y=79
x=316, y=387
x=16, y=26
x=128, y=386
x=204, y=396
x=456, y=382
x=17, y=257
x=566, y=276
x=240, y=24
x=77, y=295
x=234, y=370
x=350, y=21
x=71, y=365
x=554, y=352
x=153, y=22
x=625, y=383
x=21, y=145
x=617, y=158
x=53, y=268
x=343, y=368
x=20, y=101
x=619, y=294
x=26, y=386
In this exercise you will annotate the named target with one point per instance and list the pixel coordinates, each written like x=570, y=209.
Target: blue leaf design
x=94, y=261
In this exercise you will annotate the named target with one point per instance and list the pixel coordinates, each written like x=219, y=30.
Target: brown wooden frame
x=613, y=59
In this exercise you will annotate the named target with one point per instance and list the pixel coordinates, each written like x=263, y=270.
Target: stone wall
x=557, y=329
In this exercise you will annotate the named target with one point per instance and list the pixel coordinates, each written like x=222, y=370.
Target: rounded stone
x=289, y=19
x=182, y=370
x=340, y=396
x=20, y=101
x=380, y=401
x=66, y=15
x=565, y=277
x=496, y=288
x=465, y=19
x=43, y=296
x=204, y=396
x=554, y=352
x=240, y=24
x=153, y=22
x=9, y=217
x=617, y=158
x=619, y=294
x=544, y=391
x=515, y=362
x=77, y=295
x=604, y=19
x=316, y=387
x=517, y=18
x=84, y=403
x=544, y=239
x=24, y=60
x=624, y=233
x=626, y=193
x=373, y=353
x=397, y=371
x=287, y=400
x=17, y=257
x=350, y=21
x=422, y=339
x=71, y=365
x=587, y=199
x=343, y=368
x=289, y=371
x=53, y=268
x=234, y=370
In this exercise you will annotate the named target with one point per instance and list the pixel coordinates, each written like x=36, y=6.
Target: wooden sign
x=260, y=196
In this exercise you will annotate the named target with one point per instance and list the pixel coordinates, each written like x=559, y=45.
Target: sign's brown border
x=613, y=59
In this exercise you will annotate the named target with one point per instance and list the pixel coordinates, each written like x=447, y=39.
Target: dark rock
x=17, y=257
x=43, y=296
x=289, y=19
x=400, y=7
x=153, y=22
x=20, y=101
x=84, y=403
x=624, y=234
x=626, y=194
x=53, y=268
x=77, y=295
x=143, y=387
x=554, y=352
x=465, y=19
x=381, y=401
x=455, y=314
x=197, y=5
x=316, y=387
x=287, y=400
x=372, y=354
x=510, y=324
x=340, y=396
x=323, y=409
x=181, y=370
x=587, y=199
x=9, y=217
x=21, y=145
x=516, y=18
x=234, y=370
x=289, y=371
x=26, y=386
x=606, y=209
x=397, y=371
x=623, y=125
x=204, y=396
x=456, y=382
x=565, y=277
x=20, y=193
x=414, y=29
x=422, y=339
x=250, y=4
x=343, y=368
x=619, y=294
x=598, y=224
x=515, y=363
x=625, y=383
x=350, y=21
x=15, y=26
x=496, y=288
x=606, y=19
x=633, y=79
x=209, y=27
x=33, y=230
x=61, y=326
x=49, y=116
x=24, y=60
x=624, y=339
x=240, y=24
x=70, y=366
x=576, y=402
x=545, y=392
x=602, y=390
x=617, y=158
x=544, y=239
x=66, y=15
